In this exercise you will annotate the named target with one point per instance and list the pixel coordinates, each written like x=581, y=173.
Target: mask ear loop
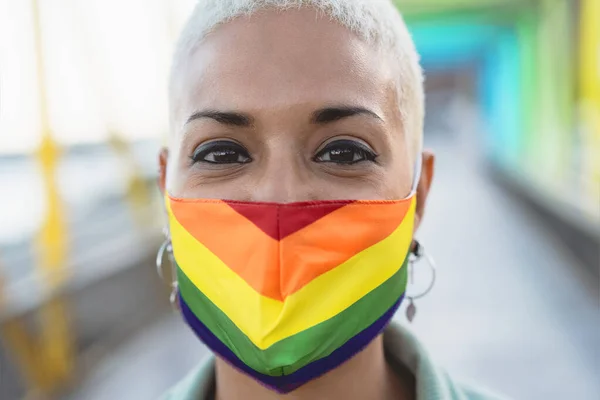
x=417, y=174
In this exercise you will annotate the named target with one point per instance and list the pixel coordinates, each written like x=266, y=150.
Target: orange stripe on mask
x=335, y=238
x=304, y=255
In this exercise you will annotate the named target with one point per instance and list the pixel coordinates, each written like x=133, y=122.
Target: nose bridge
x=281, y=178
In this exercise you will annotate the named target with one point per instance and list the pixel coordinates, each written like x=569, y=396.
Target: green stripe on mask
x=294, y=352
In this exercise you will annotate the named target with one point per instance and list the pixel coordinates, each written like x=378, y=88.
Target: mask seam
x=279, y=265
x=291, y=205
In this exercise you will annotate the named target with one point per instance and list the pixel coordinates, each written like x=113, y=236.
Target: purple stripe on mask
x=287, y=383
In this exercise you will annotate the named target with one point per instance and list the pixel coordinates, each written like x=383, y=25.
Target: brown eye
x=345, y=152
x=221, y=152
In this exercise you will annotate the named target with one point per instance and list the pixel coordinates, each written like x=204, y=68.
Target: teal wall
x=525, y=53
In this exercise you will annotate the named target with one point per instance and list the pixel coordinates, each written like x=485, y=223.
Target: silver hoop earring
x=417, y=254
x=167, y=248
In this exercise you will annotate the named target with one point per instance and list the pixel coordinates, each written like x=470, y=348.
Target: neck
x=365, y=376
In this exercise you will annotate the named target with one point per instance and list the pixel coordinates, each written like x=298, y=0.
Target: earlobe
x=424, y=186
x=163, y=158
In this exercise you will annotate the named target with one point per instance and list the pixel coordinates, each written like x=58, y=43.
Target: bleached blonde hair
x=377, y=22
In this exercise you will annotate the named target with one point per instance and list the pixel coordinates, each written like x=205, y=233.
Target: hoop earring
x=167, y=248
x=418, y=253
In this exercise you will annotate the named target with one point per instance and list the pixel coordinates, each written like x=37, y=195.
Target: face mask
x=288, y=292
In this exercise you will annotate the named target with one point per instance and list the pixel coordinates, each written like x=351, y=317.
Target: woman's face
x=285, y=107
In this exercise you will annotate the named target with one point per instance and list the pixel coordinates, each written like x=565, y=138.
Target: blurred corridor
x=513, y=106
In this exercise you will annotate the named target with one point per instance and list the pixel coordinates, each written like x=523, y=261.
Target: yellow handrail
x=56, y=344
x=47, y=360
x=138, y=195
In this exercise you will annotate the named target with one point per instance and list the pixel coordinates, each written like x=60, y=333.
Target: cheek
x=398, y=177
x=385, y=184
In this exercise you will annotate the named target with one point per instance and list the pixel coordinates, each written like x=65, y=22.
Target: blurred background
x=513, y=113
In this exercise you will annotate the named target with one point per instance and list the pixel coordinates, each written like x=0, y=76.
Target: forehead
x=281, y=60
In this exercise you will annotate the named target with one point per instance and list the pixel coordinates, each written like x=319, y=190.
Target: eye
x=345, y=152
x=221, y=152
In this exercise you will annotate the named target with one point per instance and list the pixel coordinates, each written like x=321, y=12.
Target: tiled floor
x=510, y=309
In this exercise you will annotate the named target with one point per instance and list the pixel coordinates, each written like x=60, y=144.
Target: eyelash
x=363, y=152
x=220, y=146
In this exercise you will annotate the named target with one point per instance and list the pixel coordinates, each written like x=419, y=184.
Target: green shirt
x=432, y=382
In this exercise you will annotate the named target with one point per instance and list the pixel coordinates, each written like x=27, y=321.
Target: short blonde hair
x=378, y=22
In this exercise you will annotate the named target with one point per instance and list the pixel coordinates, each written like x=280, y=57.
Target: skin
x=286, y=107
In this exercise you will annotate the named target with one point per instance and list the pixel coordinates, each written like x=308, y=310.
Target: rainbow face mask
x=288, y=292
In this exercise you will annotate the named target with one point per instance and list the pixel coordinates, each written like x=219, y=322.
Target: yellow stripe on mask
x=266, y=321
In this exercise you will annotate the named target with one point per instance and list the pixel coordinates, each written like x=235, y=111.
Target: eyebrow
x=223, y=117
x=332, y=114
x=322, y=116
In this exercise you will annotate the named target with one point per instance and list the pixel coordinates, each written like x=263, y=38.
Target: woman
x=294, y=180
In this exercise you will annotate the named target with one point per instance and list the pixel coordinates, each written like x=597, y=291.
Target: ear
x=424, y=185
x=163, y=158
